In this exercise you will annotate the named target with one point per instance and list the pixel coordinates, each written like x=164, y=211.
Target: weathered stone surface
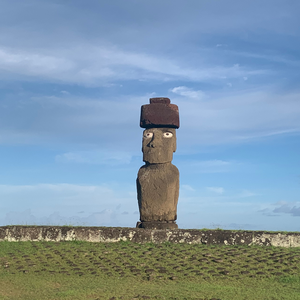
x=294, y=239
x=161, y=100
x=159, y=113
x=226, y=237
x=268, y=239
x=158, y=145
x=158, y=180
x=158, y=191
x=2, y=233
x=141, y=235
x=157, y=225
x=53, y=233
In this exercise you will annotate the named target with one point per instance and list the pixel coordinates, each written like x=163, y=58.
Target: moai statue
x=158, y=179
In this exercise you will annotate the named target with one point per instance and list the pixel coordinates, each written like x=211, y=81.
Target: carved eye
x=148, y=135
x=167, y=135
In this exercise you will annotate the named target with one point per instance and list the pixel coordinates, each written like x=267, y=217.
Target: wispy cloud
x=239, y=118
x=71, y=92
x=187, y=187
x=95, y=122
x=268, y=134
x=188, y=92
x=267, y=212
x=218, y=190
x=109, y=64
x=105, y=217
x=246, y=194
x=59, y=195
x=33, y=63
x=94, y=157
x=288, y=209
x=61, y=203
x=271, y=57
x=211, y=166
x=282, y=208
x=235, y=119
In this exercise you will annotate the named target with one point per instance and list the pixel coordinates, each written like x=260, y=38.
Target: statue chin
x=151, y=159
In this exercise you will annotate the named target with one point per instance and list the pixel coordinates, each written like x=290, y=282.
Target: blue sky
x=74, y=74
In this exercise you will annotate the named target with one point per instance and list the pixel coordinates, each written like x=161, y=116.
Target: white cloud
x=238, y=117
x=65, y=92
x=105, y=217
x=282, y=208
x=187, y=188
x=61, y=203
x=225, y=211
x=268, y=133
x=214, y=163
x=94, y=157
x=218, y=190
x=210, y=166
x=229, y=115
x=281, y=202
x=246, y=193
x=187, y=92
x=271, y=57
x=62, y=194
x=285, y=207
x=218, y=120
x=72, y=65
x=33, y=63
x=98, y=123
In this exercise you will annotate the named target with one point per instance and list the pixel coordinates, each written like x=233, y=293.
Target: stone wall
x=140, y=235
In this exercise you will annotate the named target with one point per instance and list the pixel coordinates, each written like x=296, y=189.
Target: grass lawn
x=125, y=270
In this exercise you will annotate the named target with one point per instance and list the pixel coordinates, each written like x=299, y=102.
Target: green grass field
x=125, y=270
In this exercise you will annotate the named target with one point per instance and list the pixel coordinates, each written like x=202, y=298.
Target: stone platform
x=141, y=235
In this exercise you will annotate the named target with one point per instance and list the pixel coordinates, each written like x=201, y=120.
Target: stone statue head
x=159, y=145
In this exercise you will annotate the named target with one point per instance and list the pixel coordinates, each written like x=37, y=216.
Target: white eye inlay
x=167, y=135
x=148, y=135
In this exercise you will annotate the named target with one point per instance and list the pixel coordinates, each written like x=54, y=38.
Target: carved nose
x=153, y=142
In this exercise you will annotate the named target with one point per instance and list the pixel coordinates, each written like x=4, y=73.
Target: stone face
x=158, y=145
x=158, y=179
